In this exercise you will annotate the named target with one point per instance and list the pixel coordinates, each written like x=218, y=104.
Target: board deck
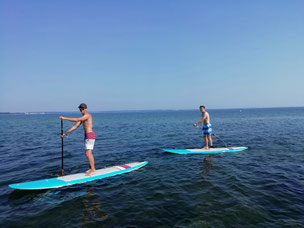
x=79, y=178
x=204, y=151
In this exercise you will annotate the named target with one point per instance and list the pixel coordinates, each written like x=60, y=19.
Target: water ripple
x=260, y=187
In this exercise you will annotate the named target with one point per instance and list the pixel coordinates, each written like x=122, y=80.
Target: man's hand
x=61, y=117
x=64, y=134
x=195, y=125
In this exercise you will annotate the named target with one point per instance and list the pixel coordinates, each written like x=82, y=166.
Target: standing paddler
x=207, y=128
x=86, y=121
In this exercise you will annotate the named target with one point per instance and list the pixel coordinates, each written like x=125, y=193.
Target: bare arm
x=83, y=118
x=201, y=121
x=72, y=129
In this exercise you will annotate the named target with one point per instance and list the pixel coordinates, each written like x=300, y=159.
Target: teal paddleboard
x=204, y=151
x=79, y=178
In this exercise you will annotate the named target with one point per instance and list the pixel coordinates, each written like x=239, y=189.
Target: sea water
x=260, y=187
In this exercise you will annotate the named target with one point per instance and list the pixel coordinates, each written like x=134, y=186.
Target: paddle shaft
x=220, y=140
x=62, y=148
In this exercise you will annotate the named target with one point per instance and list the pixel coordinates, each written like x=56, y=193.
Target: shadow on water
x=79, y=203
x=19, y=197
x=36, y=198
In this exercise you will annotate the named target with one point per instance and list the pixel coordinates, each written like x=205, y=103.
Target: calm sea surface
x=259, y=187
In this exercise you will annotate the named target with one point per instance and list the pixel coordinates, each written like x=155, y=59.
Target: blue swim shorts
x=207, y=129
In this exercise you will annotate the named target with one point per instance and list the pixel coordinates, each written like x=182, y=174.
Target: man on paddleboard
x=207, y=128
x=86, y=121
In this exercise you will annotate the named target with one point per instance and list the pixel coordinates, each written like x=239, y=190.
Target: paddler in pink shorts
x=86, y=121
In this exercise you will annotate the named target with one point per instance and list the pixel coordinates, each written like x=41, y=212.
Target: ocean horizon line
x=142, y=110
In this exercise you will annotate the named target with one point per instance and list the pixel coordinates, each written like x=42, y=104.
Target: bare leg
x=206, y=143
x=210, y=140
x=91, y=161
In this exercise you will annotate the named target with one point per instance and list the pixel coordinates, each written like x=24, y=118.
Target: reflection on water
x=92, y=210
x=207, y=164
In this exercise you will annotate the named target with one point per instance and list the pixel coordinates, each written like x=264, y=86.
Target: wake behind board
x=79, y=178
x=204, y=151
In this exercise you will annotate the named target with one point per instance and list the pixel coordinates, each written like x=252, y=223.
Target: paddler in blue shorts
x=86, y=121
x=207, y=128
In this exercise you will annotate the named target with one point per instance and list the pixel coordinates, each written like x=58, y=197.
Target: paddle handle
x=62, y=171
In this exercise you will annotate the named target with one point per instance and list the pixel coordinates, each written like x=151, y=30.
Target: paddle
x=220, y=139
x=62, y=148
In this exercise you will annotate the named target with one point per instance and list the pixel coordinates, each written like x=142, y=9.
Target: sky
x=152, y=54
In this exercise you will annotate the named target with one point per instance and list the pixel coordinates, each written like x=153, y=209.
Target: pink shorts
x=89, y=140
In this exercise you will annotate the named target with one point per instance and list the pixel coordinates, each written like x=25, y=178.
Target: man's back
x=88, y=123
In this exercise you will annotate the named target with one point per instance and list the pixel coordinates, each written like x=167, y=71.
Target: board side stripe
x=28, y=185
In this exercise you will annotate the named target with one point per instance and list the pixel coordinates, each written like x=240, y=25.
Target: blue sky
x=125, y=54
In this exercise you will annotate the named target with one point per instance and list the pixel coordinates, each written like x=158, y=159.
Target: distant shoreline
x=145, y=110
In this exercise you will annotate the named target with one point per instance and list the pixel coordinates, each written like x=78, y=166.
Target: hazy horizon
x=147, y=110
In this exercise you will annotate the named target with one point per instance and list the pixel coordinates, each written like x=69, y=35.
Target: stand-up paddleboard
x=204, y=151
x=79, y=178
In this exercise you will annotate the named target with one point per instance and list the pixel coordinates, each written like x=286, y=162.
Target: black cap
x=82, y=106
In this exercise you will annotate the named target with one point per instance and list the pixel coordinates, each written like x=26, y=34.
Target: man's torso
x=207, y=118
x=88, y=124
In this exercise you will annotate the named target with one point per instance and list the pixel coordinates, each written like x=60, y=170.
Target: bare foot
x=88, y=171
x=91, y=173
x=206, y=148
